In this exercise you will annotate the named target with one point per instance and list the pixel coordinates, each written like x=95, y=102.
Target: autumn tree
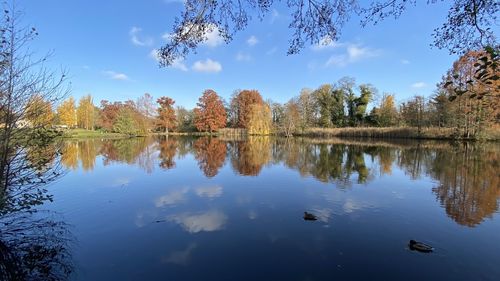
x=107, y=114
x=387, y=112
x=166, y=114
x=259, y=119
x=210, y=115
x=244, y=102
x=67, y=113
x=473, y=84
x=39, y=112
x=86, y=113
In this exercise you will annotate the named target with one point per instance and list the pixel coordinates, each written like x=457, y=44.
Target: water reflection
x=211, y=154
x=34, y=242
x=466, y=175
x=211, y=220
x=469, y=183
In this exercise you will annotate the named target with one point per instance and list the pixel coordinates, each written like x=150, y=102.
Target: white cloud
x=419, y=85
x=351, y=205
x=209, y=191
x=134, y=37
x=115, y=75
x=240, y=56
x=326, y=43
x=194, y=223
x=213, y=38
x=353, y=53
x=405, y=61
x=208, y=66
x=252, y=41
x=177, y=64
x=174, y=197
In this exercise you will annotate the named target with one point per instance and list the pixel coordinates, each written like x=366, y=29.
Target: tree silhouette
x=467, y=26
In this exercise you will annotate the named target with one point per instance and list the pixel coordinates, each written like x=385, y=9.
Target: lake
x=179, y=208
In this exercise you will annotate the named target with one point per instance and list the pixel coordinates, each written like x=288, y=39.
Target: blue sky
x=107, y=48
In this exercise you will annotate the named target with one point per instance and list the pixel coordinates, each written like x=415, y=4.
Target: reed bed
x=389, y=132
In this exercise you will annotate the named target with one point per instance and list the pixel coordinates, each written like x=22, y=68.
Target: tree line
x=345, y=103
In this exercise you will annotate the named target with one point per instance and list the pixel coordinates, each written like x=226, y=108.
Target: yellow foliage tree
x=39, y=112
x=387, y=113
x=85, y=113
x=260, y=120
x=67, y=113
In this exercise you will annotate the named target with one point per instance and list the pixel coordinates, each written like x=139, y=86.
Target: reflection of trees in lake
x=131, y=151
x=69, y=155
x=326, y=162
x=211, y=154
x=468, y=175
x=168, y=149
x=248, y=157
x=138, y=151
x=87, y=152
x=469, y=183
x=33, y=248
x=33, y=245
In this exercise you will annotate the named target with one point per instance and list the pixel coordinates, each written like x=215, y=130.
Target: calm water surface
x=217, y=209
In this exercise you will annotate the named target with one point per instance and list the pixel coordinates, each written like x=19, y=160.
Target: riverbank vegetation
x=465, y=105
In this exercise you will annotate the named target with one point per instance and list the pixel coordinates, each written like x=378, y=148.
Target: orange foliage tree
x=245, y=102
x=210, y=115
x=166, y=113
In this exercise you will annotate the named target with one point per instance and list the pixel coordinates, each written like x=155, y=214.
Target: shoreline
x=408, y=133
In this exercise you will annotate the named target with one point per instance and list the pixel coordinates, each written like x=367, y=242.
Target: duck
x=421, y=247
x=309, y=217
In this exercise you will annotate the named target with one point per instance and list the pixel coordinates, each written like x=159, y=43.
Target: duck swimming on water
x=309, y=217
x=421, y=247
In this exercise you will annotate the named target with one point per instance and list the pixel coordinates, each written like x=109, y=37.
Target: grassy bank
x=81, y=133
